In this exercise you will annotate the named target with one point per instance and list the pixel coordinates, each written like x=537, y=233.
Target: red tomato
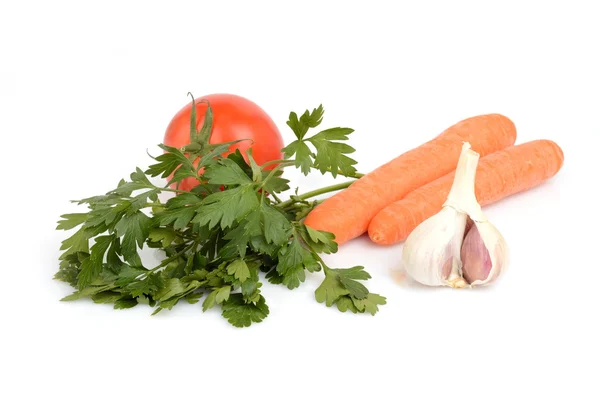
x=234, y=118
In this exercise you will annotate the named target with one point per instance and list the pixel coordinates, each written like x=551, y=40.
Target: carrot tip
x=375, y=237
x=380, y=239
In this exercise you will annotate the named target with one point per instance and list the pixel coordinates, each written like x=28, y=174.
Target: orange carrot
x=347, y=214
x=499, y=175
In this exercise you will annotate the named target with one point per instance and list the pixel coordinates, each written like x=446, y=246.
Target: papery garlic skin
x=462, y=194
x=436, y=252
x=434, y=243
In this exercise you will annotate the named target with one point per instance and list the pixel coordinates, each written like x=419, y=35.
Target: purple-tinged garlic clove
x=475, y=257
x=484, y=254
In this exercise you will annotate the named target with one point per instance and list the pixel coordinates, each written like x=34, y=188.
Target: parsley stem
x=173, y=190
x=317, y=192
x=272, y=173
x=299, y=205
x=275, y=197
x=284, y=163
x=169, y=260
x=353, y=175
x=277, y=161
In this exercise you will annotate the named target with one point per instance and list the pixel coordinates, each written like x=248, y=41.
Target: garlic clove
x=477, y=263
x=431, y=254
x=484, y=254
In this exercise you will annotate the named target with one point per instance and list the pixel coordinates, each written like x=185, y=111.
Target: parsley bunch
x=219, y=238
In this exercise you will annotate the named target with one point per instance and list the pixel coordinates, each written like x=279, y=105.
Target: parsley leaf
x=174, y=290
x=330, y=289
x=293, y=260
x=70, y=221
x=331, y=155
x=140, y=201
x=222, y=294
x=302, y=154
x=169, y=162
x=210, y=301
x=108, y=296
x=274, y=183
x=238, y=158
x=257, y=173
x=78, y=242
x=276, y=227
x=173, y=287
x=225, y=207
x=124, y=303
x=134, y=230
x=92, y=266
x=369, y=303
x=164, y=235
x=68, y=270
x=138, y=181
x=341, y=287
x=239, y=269
x=265, y=228
x=242, y=314
x=227, y=172
x=308, y=120
x=150, y=285
x=178, y=216
x=237, y=242
x=320, y=241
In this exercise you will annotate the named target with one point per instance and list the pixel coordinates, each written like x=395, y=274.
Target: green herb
x=331, y=156
x=217, y=239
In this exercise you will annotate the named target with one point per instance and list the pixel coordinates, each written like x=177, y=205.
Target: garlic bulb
x=458, y=246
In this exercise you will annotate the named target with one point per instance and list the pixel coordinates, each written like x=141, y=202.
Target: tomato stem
x=193, y=128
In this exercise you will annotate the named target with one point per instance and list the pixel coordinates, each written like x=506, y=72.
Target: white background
x=87, y=87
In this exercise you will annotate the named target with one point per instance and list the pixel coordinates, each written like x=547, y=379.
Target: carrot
x=499, y=175
x=347, y=214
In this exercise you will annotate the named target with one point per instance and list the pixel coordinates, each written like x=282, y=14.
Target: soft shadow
x=402, y=279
